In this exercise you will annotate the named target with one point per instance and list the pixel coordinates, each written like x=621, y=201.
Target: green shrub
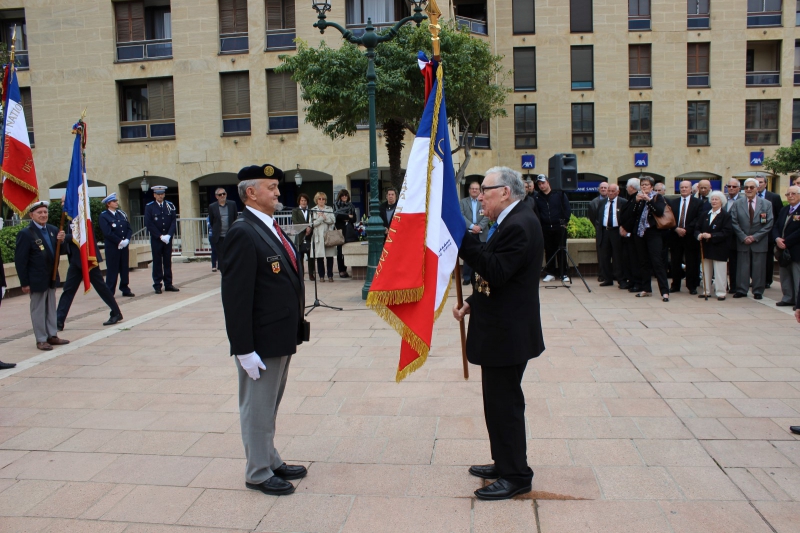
x=95, y=206
x=8, y=241
x=580, y=228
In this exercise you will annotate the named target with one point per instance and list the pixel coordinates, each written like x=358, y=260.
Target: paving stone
x=158, y=505
x=602, y=516
x=712, y=517
x=407, y=514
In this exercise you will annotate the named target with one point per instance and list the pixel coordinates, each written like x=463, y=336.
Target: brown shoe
x=43, y=346
x=55, y=341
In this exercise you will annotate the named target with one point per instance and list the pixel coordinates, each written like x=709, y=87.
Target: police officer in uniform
x=117, y=235
x=159, y=219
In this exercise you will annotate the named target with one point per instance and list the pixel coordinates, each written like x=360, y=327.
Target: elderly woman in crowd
x=323, y=222
x=648, y=238
x=345, y=220
x=630, y=258
x=715, y=231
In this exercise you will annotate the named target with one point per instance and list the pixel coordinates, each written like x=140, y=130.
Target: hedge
x=580, y=228
x=8, y=241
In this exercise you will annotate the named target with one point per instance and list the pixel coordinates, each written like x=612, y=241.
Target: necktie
x=286, y=245
x=491, y=231
x=752, y=210
x=474, y=212
x=682, y=222
x=46, y=238
x=610, y=223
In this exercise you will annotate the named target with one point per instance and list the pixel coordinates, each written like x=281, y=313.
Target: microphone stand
x=317, y=301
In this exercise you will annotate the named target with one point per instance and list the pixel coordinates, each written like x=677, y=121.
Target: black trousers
x=733, y=264
x=630, y=263
x=74, y=280
x=610, y=255
x=504, y=411
x=117, y=265
x=321, y=266
x=219, y=249
x=770, y=260
x=340, y=260
x=684, y=251
x=162, y=262
x=553, y=238
x=651, y=261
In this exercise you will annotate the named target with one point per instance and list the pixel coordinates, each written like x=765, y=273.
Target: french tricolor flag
x=20, y=188
x=413, y=277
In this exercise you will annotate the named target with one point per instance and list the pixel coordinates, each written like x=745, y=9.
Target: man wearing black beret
x=263, y=298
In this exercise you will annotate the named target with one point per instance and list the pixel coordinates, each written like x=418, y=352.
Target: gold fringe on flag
x=403, y=296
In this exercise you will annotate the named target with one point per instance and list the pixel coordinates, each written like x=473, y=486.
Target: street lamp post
x=370, y=39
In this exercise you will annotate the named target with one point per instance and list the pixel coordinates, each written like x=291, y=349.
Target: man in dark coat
x=160, y=219
x=117, y=236
x=507, y=268
x=684, y=247
x=263, y=300
x=786, y=236
x=631, y=272
x=221, y=215
x=387, y=209
x=609, y=239
x=302, y=241
x=554, y=214
x=35, y=259
x=777, y=205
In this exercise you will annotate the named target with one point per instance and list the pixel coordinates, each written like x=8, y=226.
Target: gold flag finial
x=83, y=114
x=433, y=15
x=13, y=42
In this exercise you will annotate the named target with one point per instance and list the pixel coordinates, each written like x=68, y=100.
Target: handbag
x=333, y=237
x=667, y=220
x=350, y=233
x=783, y=257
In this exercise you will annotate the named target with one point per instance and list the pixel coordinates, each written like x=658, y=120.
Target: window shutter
x=580, y=16
x=582, y=63
x=274, y=14
x=240, y=16
x=130, y=21
x=137, y=21
x=523, y=16
x=525, y=69
x=226, y=16
x=288, y=14
x=228, y=94
x=168, y=94
x=281, y=93
x=155, y=99
x=27, y=107
x=243, y=93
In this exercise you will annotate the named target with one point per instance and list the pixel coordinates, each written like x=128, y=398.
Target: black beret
x=263, y=172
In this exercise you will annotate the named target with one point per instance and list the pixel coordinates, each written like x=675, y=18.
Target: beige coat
x=322, y=222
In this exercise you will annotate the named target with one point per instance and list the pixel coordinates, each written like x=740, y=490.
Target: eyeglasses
x=733, y=186
x=223, y=194
x=790, y=193
x=750, y=187
x=490, y=187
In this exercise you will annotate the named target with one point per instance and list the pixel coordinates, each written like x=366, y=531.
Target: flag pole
x=461, y=326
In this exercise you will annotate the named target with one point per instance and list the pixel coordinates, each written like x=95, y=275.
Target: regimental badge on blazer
x=276, y=267
x=482, y=285
x=795, y=218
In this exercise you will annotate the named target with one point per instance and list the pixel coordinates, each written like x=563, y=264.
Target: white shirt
x=713, y=215
x=683, y=209
x=613, y=214
x=505, y=212
x=270, y=223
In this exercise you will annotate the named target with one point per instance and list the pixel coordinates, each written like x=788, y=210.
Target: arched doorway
x=464, y=187
x=208, y=185
x=96, y=190
x=622, y=181
x=136, y=192
x=359, y=187
x=772, y=179
x=694, y=177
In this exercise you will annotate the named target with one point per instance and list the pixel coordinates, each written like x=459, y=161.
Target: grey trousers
x=258, y=407
x=43, y=314
x=790, y=280
x=751, y=265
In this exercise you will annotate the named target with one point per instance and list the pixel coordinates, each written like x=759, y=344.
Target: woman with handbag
x=715, y=231
x=321, y=247
x=345, y=219
x=647, y=236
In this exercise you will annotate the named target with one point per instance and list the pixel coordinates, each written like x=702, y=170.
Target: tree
x=785, y=161
x=333, y=84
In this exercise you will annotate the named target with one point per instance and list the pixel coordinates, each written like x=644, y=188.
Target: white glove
x=2, y=292
x=251, y=363
x=124, y=243
x=165, y=238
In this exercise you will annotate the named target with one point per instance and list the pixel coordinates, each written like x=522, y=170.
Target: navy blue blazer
x=791, y=236
x=33, y=258
x=115, y=227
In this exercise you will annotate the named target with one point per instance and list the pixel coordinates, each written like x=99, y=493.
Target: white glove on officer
x=251, y=363
x=124, y=243
x=165, y=238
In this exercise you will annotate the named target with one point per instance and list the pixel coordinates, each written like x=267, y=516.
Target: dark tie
x=682, y=223
x=286, y=245
x=46, y=238
x=610, y=223
x=491, y=231
x=751, y=210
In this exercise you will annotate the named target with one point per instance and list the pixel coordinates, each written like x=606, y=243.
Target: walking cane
x=703, y=266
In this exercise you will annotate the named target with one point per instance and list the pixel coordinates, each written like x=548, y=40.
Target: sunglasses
x=750, y=187
x=223, y=194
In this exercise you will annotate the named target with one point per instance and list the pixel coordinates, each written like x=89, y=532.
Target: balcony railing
x=795, y=135
x=479, y=27
x=698, y=22
x=236, y=124
x=147, y=129
x=762, y=79
x=21, y=58
x=797, y=77
x=480, y=140
x=138, y=50
x=756, y=137
x=797, y=19
x=281, y=39
x=233, y=43
x=640, y=81
x=639, y=23
x=697, y=80
x=578, y=85
x=359, y=29
x=283, y=123
x=764, y=18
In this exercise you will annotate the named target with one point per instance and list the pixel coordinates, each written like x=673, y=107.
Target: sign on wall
x=529, y=161
x=640, y=159
x=756, y=159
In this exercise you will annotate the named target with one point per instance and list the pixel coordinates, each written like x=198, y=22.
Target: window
x=638, y=15
x=479, y=139
x=697, y=128
x=280, y=25
x=281, y=102
x=580, y=16
x=144, y=31
x=582, y=125
x=761, y=122
x=582, y=67
x=764, y=13
x=795, y=120
x=639, y=73
x=641, y=128
x=11, y=20
x=697, y=73
x=147, y=109
x=763, y=64
x=27, y=110
x=523, y=15
x=470, y=14
x=383, y=13
x=233, y=27
x=525, y=126
x=797, y=61
x=235, y=103
x=524, y=69
x=697, y=14
x=797, y=14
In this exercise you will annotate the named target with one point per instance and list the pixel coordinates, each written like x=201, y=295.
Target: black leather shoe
x=692, y=291
x=113, y=320
x=158, y=291
x=607, y=284
x=6, y=366
x=172, y=288
x=784, y=304
x=674, y=289
x=739, y=295
x=623, y=286
x=756, y=297
x=501, y=490
x=274, y=486
x=484, y=471
x=128, y=294
x=465, y=282
x=290, y=471
x=60, y=326
x=795, y=429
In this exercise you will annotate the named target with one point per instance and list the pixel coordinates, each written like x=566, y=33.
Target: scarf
x=643, y=223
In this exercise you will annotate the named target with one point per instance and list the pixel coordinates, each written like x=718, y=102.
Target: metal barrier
x=579, y=209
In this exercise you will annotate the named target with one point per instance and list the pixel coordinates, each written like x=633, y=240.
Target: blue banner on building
x=756, y=159
x=640, y=159
x=716, y=185
x=529, y=161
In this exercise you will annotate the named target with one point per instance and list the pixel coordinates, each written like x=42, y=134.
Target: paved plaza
x=643, y=417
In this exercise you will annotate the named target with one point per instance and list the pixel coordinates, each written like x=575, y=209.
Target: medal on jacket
x=763, y=217
x=276, y=267
x=39, y=244
x=482, y=285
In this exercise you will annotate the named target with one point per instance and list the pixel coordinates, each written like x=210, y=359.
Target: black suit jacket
x=791, y=236
x=718, y=248
x=505, y=327
x=656, y=206
x=775, y=200
x=214, y=214
x=384, y=216
x=620, y=207
x=694, y=214
x=263, y=297
x=34, y=265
